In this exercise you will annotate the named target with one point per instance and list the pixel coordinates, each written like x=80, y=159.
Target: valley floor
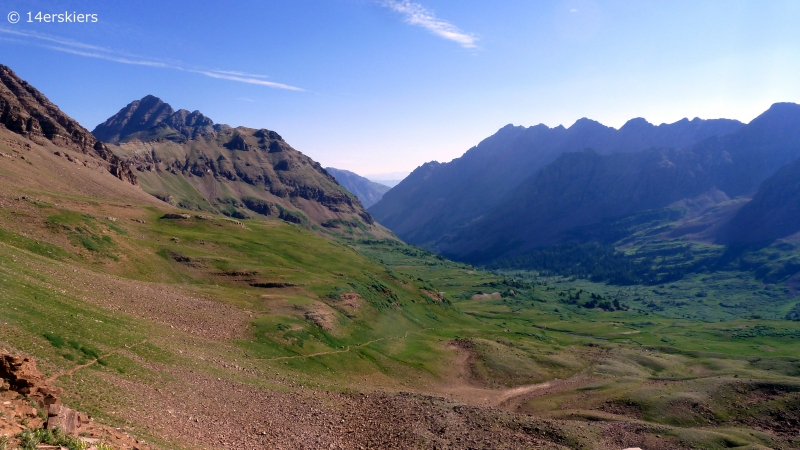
x=201, y=332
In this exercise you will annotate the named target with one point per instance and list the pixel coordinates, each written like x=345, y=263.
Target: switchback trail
x=70, y=372
x=349, y=347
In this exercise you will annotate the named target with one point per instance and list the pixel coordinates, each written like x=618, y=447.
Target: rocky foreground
x=29, y=404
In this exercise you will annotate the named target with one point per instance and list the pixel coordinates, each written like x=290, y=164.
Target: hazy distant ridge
x=438, y=199
x=369, y=192
x=583, y=188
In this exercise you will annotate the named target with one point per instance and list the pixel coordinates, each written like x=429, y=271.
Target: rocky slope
x=187, y=160
x=578, y=189
x=31, y=403
x=437, y=199
x=26, y=111
x=369, y=192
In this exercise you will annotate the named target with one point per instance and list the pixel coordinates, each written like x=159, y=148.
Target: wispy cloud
x=109, y=57
x=240, y=74
x=416, y=14
x=249, y=80
x=97, y=52
x=54, y=39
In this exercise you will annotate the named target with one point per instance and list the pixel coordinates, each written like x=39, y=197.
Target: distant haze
x=390, y=179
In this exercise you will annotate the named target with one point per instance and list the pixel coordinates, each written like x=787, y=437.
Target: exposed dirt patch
x=196, y=263
x=434, y=295
x=322, y=316
x=701, y=370
x=514, y=399
x=350, y=303
x=464, y=362
x=493, y=295
x=465, y=383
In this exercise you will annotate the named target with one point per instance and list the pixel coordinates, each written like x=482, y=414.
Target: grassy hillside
x=200, y=331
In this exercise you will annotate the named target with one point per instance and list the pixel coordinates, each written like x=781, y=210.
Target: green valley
x=218, y=289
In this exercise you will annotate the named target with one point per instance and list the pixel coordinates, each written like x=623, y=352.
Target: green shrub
x=30, y=439
x=56, y=340
x=90, y=352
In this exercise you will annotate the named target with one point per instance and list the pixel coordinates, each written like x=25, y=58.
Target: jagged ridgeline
x=26, y=111
x=185, y=159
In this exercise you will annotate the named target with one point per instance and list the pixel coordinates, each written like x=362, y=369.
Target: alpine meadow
x=168, y=281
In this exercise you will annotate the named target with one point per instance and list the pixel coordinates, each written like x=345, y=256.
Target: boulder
x=67, y=420
x=24, y=377
x=21, y=373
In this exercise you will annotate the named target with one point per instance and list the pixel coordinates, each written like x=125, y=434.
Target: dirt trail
x=522, y=390
x=463, y=389
x=512, y=399
x=277, y=358
x=508, y=399
x=462, y=386
x=70, y=372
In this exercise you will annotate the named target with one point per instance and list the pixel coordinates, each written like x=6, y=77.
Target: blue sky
x=385, y=85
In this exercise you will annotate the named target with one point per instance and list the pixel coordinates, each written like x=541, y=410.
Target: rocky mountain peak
x=638, y=123
x=151, y=118
x=779, y=114
x=26, y=111
x=584, y=124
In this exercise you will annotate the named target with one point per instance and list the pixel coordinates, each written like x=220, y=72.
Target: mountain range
x=439, y=198
x=526, y=188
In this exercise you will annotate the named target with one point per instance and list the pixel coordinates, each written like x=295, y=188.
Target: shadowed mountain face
x=773, y=213
x=756, y=152
x=184, y=159
x=580, y=189
x=26, y=111
x=575, y=190
x=150, y=118
x=369, y=192
x=438, y=199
